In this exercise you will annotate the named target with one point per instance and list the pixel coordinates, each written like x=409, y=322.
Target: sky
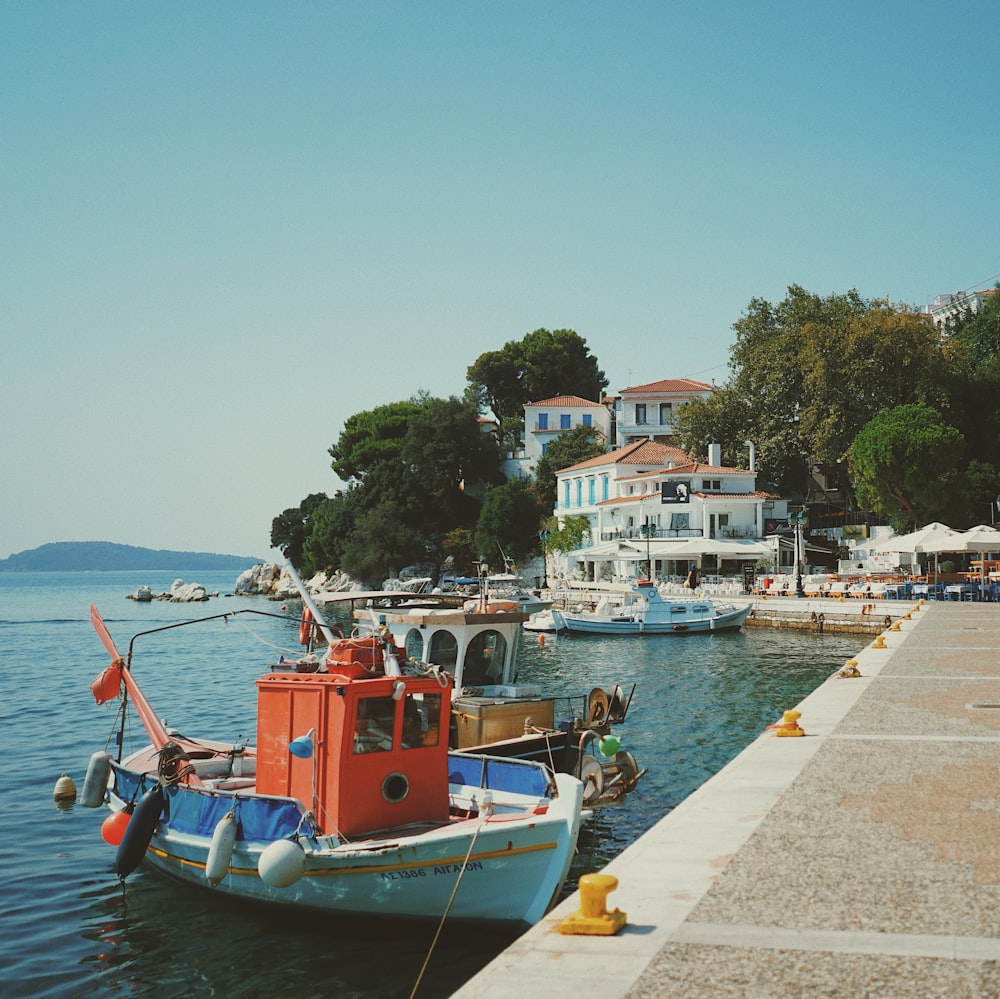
x=228, y=227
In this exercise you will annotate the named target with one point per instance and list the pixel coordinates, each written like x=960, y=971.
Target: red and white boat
x=348, y=800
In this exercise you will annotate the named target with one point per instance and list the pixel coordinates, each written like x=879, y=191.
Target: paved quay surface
x=862, y=860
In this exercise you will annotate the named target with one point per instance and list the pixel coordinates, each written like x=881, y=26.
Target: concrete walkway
x=860, y=860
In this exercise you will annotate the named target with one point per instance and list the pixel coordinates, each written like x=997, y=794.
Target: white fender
x=220, y=853
x=96, y=781
x=281, y=863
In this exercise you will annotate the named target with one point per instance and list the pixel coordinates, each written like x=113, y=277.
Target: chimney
x=753, y=455
x=715, y=454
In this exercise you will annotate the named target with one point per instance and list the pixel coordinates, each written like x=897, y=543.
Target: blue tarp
x=198, y=812
x=515, y=776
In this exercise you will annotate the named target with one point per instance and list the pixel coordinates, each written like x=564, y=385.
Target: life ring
x=305, y=626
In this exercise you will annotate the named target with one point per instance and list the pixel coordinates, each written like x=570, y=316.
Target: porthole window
x=395, y=788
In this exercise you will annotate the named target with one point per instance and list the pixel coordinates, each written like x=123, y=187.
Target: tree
x=807, y=375
x=541, y=365
x=508, y=522
x=291, y=529
x=569, y=448
x=372, y=437
x=907, y=465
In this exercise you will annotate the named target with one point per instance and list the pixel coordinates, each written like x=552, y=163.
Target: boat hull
x=508, y=867
x=687, y=625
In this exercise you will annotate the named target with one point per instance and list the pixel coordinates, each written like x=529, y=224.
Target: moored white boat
x=643, y=611
x=348, y=801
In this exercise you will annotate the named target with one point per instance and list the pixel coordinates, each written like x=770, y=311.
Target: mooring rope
x=447, y=908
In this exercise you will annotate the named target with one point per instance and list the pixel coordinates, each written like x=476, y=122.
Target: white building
x=650, y=411
x=650, y=502
x=945, y=309
x=544, y=421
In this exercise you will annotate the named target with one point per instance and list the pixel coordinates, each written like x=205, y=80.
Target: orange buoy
x=108, y=684
x=114, y=826
x=541, y=639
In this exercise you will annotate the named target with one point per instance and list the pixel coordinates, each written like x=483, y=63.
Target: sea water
x=69, y=928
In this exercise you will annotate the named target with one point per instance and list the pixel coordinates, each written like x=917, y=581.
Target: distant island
x=105, y=556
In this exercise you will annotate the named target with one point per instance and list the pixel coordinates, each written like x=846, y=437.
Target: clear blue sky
x=229, y=226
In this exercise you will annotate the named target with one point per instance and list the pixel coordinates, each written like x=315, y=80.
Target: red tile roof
x=671, y=385
x=566, y=400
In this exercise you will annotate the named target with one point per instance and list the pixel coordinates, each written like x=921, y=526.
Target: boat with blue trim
x=347, y=801
x=642, y=610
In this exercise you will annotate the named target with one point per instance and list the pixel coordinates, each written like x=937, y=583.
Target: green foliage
x=370, y=438
x=807, y=375
x=508, y=522
x=569, y=448
x=542, y=365
x=907, y=464
x=291, y=529
x=567, y=538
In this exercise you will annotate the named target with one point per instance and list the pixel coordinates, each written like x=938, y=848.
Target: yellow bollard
x=592, y=918
x=850, y=669
x=788, y=726
x=879, y=643
x=895, y=626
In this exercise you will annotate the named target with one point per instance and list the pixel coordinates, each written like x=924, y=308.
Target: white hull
x=517, y=862
x=645, y=612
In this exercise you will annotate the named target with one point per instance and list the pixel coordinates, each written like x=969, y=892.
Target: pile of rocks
x=179, y=593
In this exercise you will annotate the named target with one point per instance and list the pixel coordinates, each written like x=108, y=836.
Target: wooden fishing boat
x=348, y=801
x=643, y=611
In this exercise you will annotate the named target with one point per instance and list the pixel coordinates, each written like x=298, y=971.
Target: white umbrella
x=929, y=538
x=980, y=539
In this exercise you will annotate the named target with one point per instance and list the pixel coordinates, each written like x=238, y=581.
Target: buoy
x=220, y=853
x=114, y=826
x=541, y=639
x=65, y=789
x=593, y=918
x=96, y=781
x=281, y=863
x=139, y=831
x=609, y=745
x=108, y=685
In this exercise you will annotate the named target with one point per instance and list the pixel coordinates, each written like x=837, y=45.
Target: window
x=443, y=650
x=373, y=724
x=421, y=721
x=414, y=645
x=484, y=660
x=640, y=413
x=604, y=487
x=588, y=420
x=543, y=421
x=564, y=423
x=590, y=491
x=566, y=494
x=666, y=411
x=579, y=492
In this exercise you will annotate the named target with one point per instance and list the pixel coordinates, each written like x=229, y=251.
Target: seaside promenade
x=862, y=859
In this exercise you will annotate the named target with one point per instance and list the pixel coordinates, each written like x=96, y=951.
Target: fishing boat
x=348, y=801
x=493, y=710
x=643, y=611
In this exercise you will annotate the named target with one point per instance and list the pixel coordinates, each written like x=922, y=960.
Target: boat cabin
x=477, y=646
x=362, y=754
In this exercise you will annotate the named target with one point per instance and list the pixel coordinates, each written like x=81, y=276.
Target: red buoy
x=114, y=826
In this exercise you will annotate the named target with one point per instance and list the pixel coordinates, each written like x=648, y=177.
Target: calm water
x=69, y=928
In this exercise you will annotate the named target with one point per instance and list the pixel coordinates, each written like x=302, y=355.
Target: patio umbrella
x=928, y=538
x=980, y=539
